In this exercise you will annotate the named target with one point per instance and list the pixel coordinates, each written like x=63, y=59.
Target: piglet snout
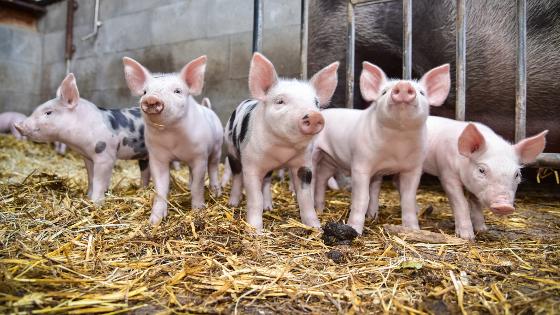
x=502, y=209
x=152, y=105
x=312, y=123
x=403, y=92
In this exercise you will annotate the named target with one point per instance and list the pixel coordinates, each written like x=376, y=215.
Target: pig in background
x=389, y=137
x=7, y=121
x=491, y=54
x=103, y=137
x=177, y=129
x=274, y=130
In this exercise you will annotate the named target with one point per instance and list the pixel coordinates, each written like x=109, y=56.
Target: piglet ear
x=206, y=102
x=471, y=141
x=372, y=80
x=437, y=83
x=68, y=91
x=325, y=82
x=136, y=75
x=193, y=74
x=529, y=148
x=262, y=76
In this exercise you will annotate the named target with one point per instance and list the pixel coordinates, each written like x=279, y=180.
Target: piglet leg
x=374, y=189
x=477, y=216
x=160, y=174
x=408, y=185
x=304, y=193
x=454, y=190
x=253, y=187
x=197, y=187
x=144, y=166
x=267, y=191
x=360, y=200
x=89, y=170
x=213, y=164
x=101, y=179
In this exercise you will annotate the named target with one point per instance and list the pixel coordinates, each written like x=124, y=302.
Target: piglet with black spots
x=100, y=136
x=274, y=130
x=177, y=128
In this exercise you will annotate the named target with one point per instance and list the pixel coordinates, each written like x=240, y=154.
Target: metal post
x=350, y=56
x=461, y=60
x=407, y=39
x=304, y=37
x=258, y=13
x=521, y=87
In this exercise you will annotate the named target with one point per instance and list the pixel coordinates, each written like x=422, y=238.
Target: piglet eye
x=144, y=92
x=482, y=171
x=317, y=103
x=48, y=113
x=422, y=92
x=177, y=91
x=279, y=101
x=518, y=175
x=384, y=92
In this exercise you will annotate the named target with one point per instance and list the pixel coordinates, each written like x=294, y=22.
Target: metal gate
x=544, y=159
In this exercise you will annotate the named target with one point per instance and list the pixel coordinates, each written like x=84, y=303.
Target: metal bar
x=362, y=2
x=461, y=60
x=304, y=37
x=69, y=45
x=521, y=75
x=96, y=22
x=350, y=56
x=547, y=160
x=407, y=40
x=258, y=13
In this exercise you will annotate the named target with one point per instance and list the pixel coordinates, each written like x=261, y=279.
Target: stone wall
x=164, y=35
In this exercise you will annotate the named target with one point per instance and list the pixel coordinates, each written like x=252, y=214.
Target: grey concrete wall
x=164, y=35
x=20, y=68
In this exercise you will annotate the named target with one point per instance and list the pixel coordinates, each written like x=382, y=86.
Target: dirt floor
x=59, y=253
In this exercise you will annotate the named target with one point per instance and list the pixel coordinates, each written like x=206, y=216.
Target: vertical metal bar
x=304, y=37
x=350, y=56
x=407, y=40
x=69, y=45
x=521, y=87
x=257, y=25
x=461, y=60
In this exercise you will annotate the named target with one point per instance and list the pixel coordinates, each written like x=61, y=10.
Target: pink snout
x=403, y=92
x=502, y=208
x=312, y=123
x=152, y=105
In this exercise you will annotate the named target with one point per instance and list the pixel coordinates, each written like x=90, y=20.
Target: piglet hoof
x=373, y=215
x=216, y=190
x=233, y=203
x=480, y=229
x=319, y=207
x=312, y=222
x=466, y=234
x=267, y=206
x=155, y=219
x=198, y=205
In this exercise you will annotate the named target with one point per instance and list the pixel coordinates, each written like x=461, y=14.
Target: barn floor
x=60, y=253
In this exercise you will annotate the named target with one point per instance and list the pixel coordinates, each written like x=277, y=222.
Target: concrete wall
x=20, y=67
x=164, y=35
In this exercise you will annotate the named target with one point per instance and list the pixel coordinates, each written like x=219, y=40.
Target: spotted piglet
x=177, y=128
x=274, y=130
x=100, y=136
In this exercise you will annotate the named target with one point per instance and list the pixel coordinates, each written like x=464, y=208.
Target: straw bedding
x=60, y=253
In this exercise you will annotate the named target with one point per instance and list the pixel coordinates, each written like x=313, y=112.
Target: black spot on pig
x=143, y=164
x=135, y=112
x=231, y=120
x=305, y=175
x=117, y=119
x=235, y=164
x=100, y=147
x=125, y=141
x=131, y=126
x=245, y=122
x=338, y=234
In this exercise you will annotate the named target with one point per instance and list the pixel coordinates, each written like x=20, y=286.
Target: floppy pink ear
x=529, y=148
x=68, y=91
x=372, y=80
x=262, y=76
x=471, y=141
x=325, y=82
x=136, y=75
x=437, y=83
x=193, y=74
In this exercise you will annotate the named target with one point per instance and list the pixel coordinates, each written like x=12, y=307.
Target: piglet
x=389, y=137
x=100, y=136
x=7, y=121
x=472, y=156
x=177, y=128
x=274, y=130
